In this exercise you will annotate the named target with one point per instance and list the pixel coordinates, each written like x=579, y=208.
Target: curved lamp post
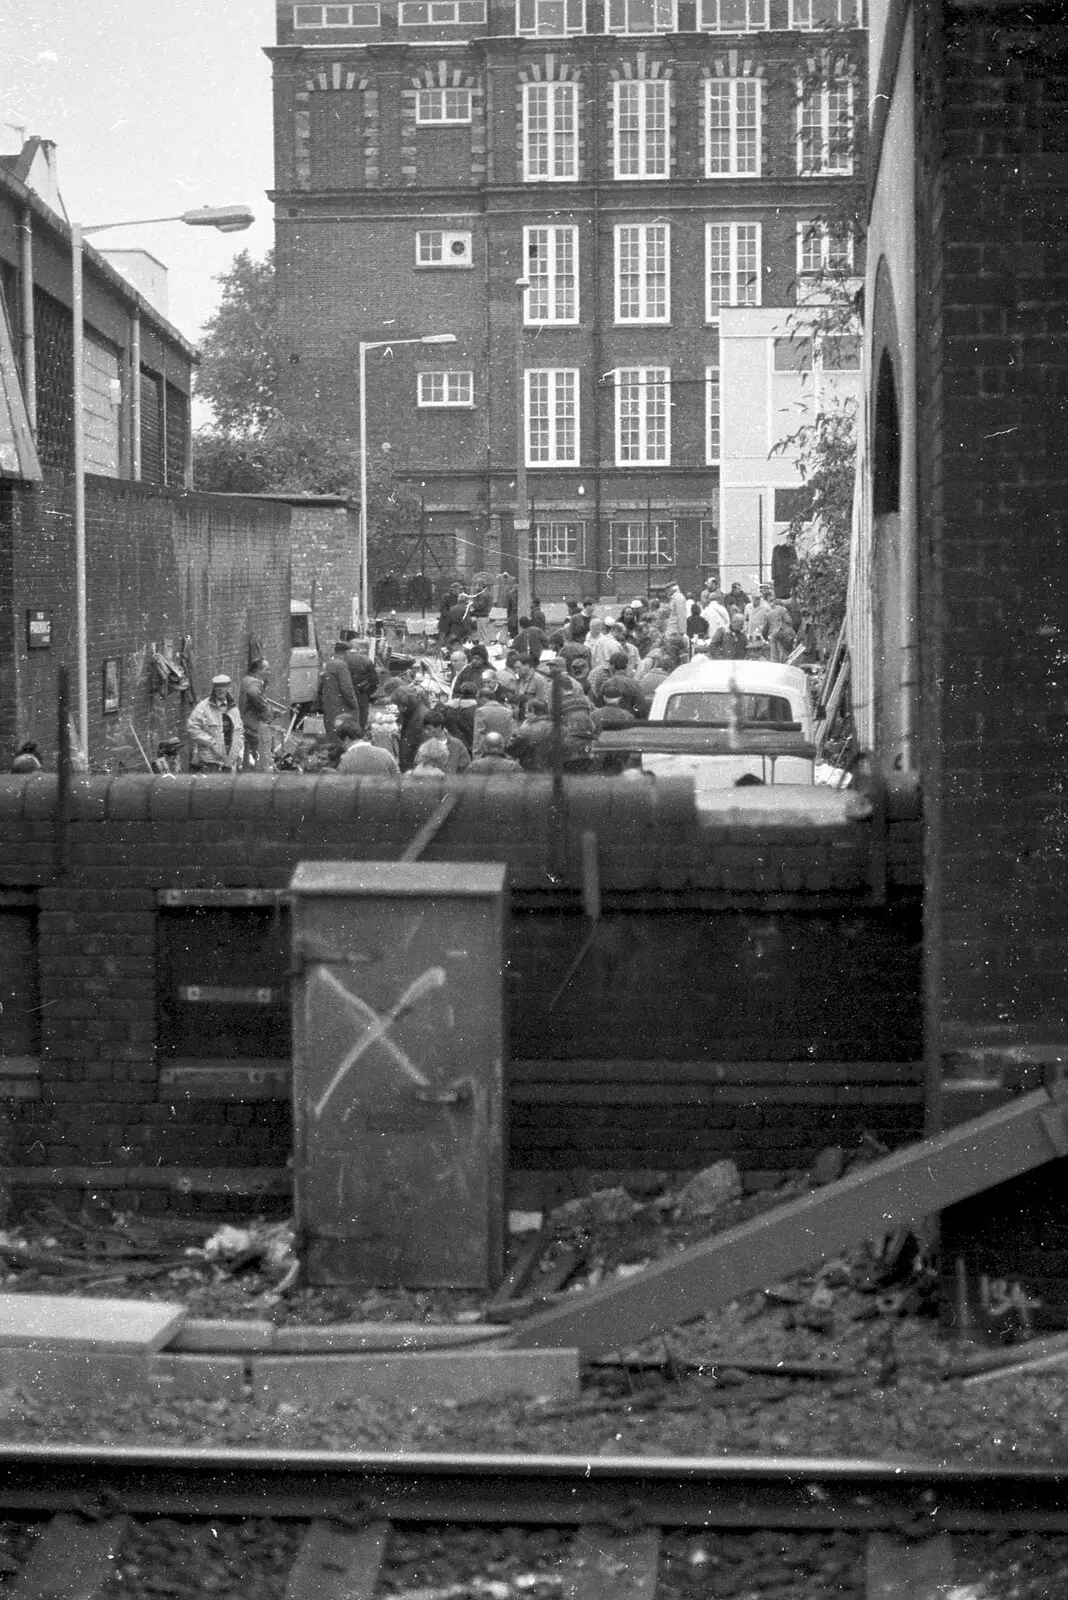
x=225, y=219
x=365, y=345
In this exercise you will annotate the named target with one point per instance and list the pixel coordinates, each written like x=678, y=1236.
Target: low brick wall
x=149, y=890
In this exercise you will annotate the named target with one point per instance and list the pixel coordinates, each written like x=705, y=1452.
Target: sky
x=155, y=107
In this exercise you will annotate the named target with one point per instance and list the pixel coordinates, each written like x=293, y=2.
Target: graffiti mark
x=377, y=1028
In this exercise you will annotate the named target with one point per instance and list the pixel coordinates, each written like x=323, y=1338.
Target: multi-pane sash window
x=709, y=555
x=825, y=128
x=824, y=247
x=643, y=416
x=732, y=16
x=642, y=128
x=552, y=407
x=361, y=15
x=550, y=132
x=559, y=544
x=711, y=416
x=446, y=388
x=640, y=16
x=732, y=128
x=421, y=13
x=443, y=106
x=826, y=13
x=643, y=272
x=643, y=544
x=550, y=19
x=551, y=256
x=733, y=266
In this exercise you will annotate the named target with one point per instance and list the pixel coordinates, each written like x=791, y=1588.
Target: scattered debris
x=708, y=1192
x=828, y=1165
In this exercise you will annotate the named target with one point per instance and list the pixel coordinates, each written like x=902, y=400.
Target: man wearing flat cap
x=216, y=738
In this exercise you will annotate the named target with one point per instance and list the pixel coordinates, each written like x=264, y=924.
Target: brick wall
x=162, y=566
x=994, y=378
x=704, y=957
x=326, y=565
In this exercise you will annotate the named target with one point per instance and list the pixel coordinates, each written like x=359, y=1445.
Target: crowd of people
x=490, y=712
x=486, y=705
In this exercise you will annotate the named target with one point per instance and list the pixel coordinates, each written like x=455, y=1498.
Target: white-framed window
x=551, y=257
x=792, y=353
x=643, y=544
x=643, y=131
x=640, y=16
x=643, y=416
x=364, y=14
x=825, y=128
x=732, y=266
x=446, y=388
x=733, y=127
x=708, y=554
x=434, y=13
x=442, y=107
x=560, y=544
x=839, y=352
x=442, y=247
x=813, y=14
x=732, y=16
x=550, y=132
x=552, y=412
x=712, y=444
x=643, y=272
x=550, y=19
x=824, y=247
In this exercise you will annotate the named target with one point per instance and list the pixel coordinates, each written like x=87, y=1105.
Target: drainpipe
x=29, y=342
x=135, y=397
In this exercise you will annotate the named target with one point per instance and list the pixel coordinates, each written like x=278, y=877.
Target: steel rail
x=695, y=1492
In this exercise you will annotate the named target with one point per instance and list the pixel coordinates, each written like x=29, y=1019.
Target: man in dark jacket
x=338, y=694
x=364, y=679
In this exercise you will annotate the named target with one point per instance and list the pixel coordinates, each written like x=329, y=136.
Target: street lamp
x=365, y=345
x=226, y=219
x=524, y=571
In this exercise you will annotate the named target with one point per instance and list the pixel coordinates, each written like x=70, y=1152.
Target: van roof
x=751, y=677
x=299, y=608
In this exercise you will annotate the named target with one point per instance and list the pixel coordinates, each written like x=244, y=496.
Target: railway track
x=102, y=1522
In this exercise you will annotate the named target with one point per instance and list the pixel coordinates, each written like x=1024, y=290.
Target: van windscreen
x=708, y=705
x=298, y=631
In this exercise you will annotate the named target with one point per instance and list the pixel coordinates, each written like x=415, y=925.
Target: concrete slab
x=381, y=1336
x=219, y=1334
x=414, y=1379
x=73, y=1377
x=35, y=1321
x=200, y=1377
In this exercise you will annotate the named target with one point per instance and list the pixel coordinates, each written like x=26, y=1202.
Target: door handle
x=456, y=1094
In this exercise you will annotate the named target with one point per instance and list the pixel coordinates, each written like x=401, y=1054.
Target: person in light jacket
x=216, y=738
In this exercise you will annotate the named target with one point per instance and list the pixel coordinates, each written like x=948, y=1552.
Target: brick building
x=640, y=164
x=168, y=573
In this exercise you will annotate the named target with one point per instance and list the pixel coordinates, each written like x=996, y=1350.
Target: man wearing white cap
x=216, y=738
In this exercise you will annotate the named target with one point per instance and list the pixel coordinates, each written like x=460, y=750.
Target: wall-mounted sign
x=112, y=684
x=38, y=630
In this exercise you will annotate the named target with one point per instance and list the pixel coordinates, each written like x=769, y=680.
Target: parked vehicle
x=742, y=719
x=304, y=661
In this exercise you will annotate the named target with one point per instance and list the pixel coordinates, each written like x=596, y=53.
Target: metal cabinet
x=398, y=1020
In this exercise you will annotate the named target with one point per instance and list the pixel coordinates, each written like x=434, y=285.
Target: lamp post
x=226, y=219
x=524, y=574
x=365, y=345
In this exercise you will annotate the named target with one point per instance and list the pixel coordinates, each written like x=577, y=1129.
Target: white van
x=746, y=718
x=303, y=655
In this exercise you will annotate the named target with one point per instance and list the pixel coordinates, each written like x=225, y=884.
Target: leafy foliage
x=240, y=354
x=820, y=530
x=252, y=448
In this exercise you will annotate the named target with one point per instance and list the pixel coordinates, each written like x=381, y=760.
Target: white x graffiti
x=377, y=1028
